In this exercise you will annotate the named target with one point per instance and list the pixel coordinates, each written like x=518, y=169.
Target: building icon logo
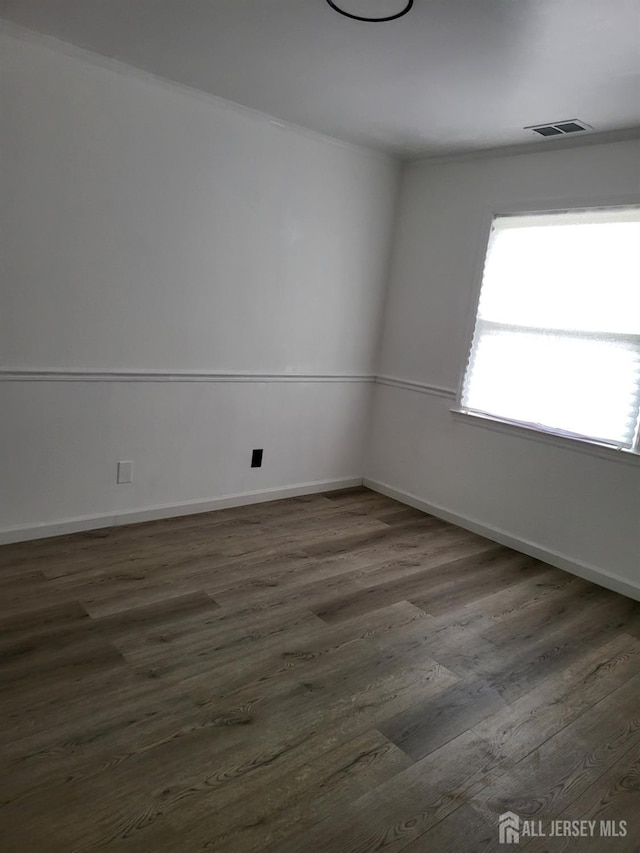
x=509, y=828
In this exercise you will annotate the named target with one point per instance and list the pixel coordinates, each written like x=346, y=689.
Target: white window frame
x=500, y=424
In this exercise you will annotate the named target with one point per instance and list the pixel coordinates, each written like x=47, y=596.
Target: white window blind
x=557, y=337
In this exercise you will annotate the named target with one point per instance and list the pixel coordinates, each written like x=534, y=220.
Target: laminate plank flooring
x=324, y=674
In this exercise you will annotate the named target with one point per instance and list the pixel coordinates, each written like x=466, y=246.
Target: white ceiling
x=453, y=75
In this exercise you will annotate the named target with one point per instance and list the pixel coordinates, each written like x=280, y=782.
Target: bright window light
x=557, y=338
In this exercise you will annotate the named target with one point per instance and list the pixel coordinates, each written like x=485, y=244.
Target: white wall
x=149, y=228
x=578, y=510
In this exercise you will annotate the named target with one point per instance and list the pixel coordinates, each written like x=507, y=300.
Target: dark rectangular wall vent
x=571, y=127
x=558, y=128
x=547, y=130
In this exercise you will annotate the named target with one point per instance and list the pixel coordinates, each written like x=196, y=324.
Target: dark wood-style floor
x=333, y=673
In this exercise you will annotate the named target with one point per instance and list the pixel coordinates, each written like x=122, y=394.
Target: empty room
x=319, y=426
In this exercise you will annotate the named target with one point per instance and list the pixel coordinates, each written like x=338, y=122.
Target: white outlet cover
x=125, y=472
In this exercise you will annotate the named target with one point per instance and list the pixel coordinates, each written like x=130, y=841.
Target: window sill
x=566, y=442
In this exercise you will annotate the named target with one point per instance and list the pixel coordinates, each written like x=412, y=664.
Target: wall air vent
x=560, y=128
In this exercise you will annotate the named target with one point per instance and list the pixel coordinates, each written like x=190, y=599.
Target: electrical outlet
x=125, y=472
x=256, y=458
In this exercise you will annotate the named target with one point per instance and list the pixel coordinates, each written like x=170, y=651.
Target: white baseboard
x=560, y=561
x=132, y=516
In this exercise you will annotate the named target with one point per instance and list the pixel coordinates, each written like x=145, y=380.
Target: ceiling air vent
x=560, y=128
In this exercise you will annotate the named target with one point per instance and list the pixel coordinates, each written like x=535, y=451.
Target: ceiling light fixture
x=406, y=9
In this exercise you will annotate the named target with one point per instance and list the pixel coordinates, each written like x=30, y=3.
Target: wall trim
x=609, y=580
x=144, y=375
x=133, y=516
x=57, y=375
x=420, y=387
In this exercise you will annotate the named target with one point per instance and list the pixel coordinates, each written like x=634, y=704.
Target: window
x=556, y=344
